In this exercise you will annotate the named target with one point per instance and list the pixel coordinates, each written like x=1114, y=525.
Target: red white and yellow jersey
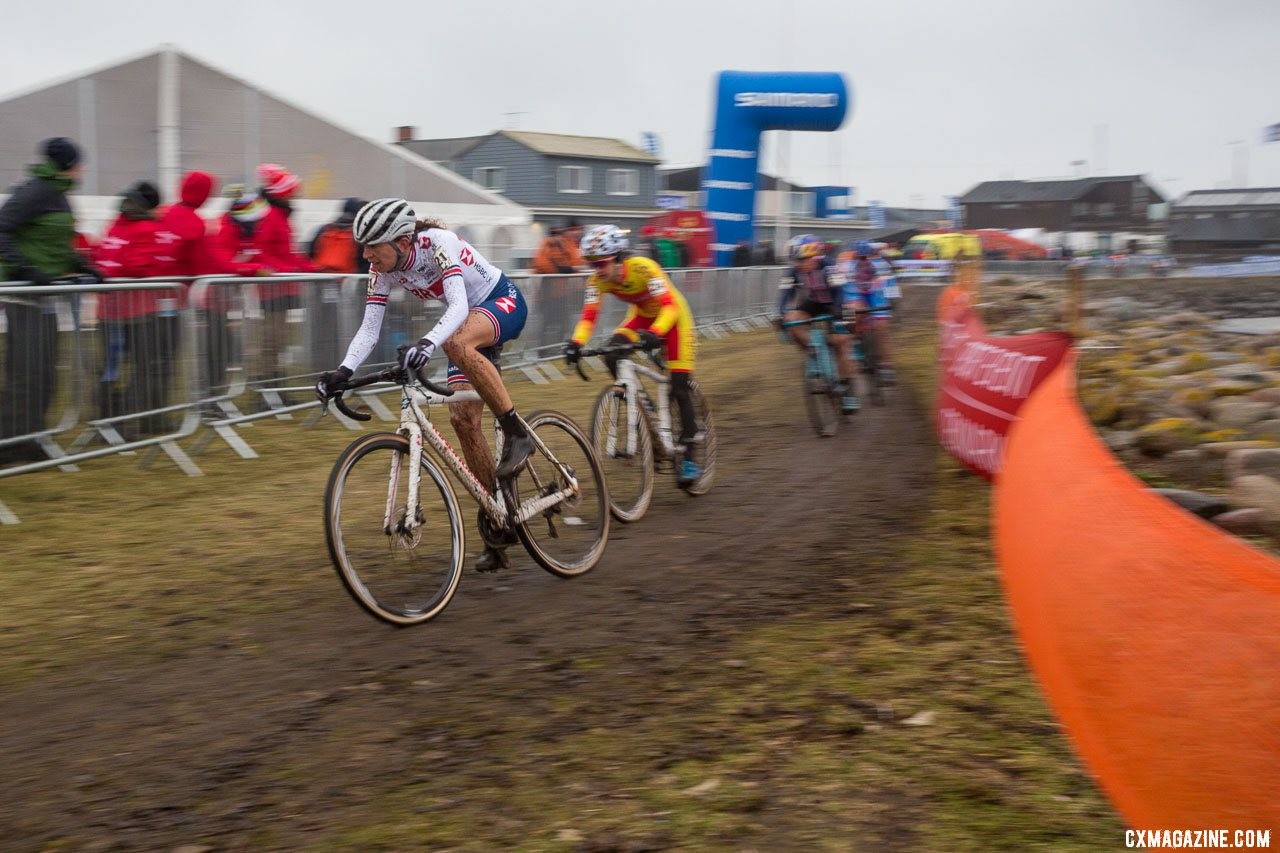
x=646, y=288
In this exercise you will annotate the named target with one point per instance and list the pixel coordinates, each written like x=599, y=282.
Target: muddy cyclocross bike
x=867, y=353
x=822, y=392
x=393, y=525
x=632, y=434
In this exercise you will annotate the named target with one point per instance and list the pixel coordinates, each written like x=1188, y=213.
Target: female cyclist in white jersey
x=483, y=310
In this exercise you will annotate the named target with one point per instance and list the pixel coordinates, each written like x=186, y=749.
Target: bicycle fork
x=412, y=518
x=820, y=350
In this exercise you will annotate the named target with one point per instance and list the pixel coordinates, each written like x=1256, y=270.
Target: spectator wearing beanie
x=138, y=326
x=273, y=238
x=234, y=244
x=37, y=233
x=332, y=250
x=341, y=225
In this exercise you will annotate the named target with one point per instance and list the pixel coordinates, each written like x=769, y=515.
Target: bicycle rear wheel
x=568, y=538
x=705, y=452
x=820, y=400
x=629, y=474
x=400, y=577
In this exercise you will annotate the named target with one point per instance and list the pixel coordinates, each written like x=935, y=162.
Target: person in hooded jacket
x=37, y=232
x=139, y=327
x=273, y=239
x=183, y=235
x=190, y=249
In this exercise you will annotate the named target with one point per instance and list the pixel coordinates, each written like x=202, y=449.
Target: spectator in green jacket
x=36, y=245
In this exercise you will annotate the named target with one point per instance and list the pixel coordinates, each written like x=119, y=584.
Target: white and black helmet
x=383, y=220
x=603, y=241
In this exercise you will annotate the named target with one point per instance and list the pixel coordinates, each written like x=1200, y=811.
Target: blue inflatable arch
x=748, y=103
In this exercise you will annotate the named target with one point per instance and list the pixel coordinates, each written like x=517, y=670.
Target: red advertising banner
x=984, y=380
x=691, y=226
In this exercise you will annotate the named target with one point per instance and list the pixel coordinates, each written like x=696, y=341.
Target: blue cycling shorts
x=506, y=309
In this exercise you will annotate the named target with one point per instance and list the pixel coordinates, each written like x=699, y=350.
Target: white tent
x=162, y=114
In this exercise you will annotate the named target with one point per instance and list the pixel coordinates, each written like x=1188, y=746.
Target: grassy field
x=897, y=713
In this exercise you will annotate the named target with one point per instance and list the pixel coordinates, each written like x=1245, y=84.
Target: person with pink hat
x=273, y=240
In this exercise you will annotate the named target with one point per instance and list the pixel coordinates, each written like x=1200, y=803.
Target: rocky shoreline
x=1181, y=378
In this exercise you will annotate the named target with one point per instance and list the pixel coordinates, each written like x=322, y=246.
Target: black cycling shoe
x=515, y=453
x=492, y=535
x=492, y=560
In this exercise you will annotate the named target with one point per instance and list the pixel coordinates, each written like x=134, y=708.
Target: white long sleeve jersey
x=439, y=265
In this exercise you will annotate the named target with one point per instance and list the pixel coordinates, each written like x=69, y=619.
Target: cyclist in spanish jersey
x=483, y=310
x=658, y=315
x=814, y=289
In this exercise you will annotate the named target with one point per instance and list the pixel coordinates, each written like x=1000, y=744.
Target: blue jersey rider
x=867, y=274
x=814, y=289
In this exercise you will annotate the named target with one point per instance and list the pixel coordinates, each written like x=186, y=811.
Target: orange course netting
x=1155, y=636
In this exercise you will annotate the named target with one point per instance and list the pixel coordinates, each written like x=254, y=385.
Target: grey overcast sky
x=945, y=94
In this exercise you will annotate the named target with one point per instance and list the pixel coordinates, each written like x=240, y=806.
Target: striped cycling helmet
x=383, y=220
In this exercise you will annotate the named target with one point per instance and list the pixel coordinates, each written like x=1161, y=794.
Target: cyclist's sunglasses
x=600, y=263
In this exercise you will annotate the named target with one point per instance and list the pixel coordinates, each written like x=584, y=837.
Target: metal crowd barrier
x=99, y=356
x=140, y=365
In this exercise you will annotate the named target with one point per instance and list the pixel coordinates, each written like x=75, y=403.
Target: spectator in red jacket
x=140, y=327
x=190, y=249
x=233, y=245
x=274, y=236
x=183, y=235
x=273, y=239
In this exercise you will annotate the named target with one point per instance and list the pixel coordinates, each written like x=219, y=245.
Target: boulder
x=1167, y=435
x=1205, y=506
x=1241, y=463
x=1266, y=395
x=1268, y=429
x=1242, y=370
x=1192, y=466
x=1118, y=439
x=1222, y=448
x=1257, y=490
x=1238, y=412
x=1231, y=387
x=1249, y=521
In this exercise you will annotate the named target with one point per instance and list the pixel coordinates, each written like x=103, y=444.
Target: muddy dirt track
x=217, y=747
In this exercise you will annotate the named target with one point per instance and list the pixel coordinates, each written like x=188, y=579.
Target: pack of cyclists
x=855, y=288
x=484, y=309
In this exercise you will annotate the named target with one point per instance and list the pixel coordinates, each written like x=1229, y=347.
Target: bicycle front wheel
x=399, y=575
x=705, y=452
x=568, y=537
x=820, y=401
x=629, y=473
